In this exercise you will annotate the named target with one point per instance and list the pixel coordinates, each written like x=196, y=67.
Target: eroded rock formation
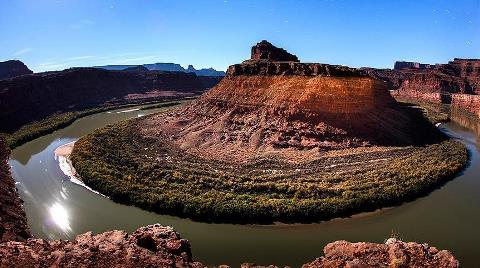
x=266, y=51
x=393, y=253
x=158, y=246
x=460, y=76
x=13, y=68
x=270, y=105
x=150, y=246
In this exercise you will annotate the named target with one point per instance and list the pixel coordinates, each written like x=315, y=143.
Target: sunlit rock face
x=285, y=107
x=419, y=81
x=150, y=246
x=158, y=246
x=394, y=253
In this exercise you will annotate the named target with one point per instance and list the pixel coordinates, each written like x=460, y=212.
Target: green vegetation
x=434, y=112
x=57, y=121
x=160, y=177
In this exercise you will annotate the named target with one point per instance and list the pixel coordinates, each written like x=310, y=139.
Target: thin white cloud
x=50, y=66
x=80, y=58
x=134, y=60
x=82, y=24
x=22, y=51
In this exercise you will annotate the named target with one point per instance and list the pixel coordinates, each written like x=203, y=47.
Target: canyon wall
x=32, y=97
x=13, y=221
x=457, y=76
x=470, y=103
x=456, y=82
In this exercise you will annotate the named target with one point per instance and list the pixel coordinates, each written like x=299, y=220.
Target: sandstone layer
x=271, y=105
x=456, y=83
x=32, y=97
x=461, y=76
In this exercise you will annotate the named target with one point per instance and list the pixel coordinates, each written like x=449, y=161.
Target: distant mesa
x=400, y=65
x=170, y=67
x=12, y=68
x=138, y=68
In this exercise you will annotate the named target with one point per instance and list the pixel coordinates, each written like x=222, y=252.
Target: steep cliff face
x=13, y=68
x=265, y=106
x=470, y=103
x=457, y=76
x=32, y=97
x=13, y=221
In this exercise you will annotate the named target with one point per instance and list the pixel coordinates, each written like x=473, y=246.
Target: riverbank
x=13, y=221
x=57, y=121
x=118, y=162
x=213, y=243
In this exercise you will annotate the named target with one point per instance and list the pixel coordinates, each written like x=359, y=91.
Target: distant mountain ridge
x=12, y=68
x=172, y=67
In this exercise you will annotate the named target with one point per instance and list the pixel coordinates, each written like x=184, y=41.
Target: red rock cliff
x=457, y=76
x=264, y=106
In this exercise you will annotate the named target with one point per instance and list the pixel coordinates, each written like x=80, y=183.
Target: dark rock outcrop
x=13, y=68
x=210, y=81
x=266, y=51
x=13, y=221
x=32, y=97
x=274, y=68
x=393, y=253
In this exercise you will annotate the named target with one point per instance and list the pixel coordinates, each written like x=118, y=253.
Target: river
x=448, y=218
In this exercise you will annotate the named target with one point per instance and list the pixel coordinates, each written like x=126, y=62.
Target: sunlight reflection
x=60, y=217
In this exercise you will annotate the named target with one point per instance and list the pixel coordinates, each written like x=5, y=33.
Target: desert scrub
x=158, y=176
x=434, y=112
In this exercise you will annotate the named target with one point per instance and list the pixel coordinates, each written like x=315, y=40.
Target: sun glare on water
x=60, y=217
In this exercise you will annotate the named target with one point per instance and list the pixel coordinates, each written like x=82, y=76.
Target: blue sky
x=57, y=34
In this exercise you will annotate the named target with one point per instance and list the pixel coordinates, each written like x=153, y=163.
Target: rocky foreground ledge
x=158, y=246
